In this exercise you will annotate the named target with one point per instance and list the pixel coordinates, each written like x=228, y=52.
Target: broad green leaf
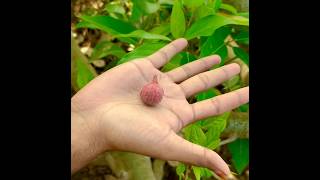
x=206, y=172
x=177, y=20
x=239, y=150
x=216, y=5
x=206, y=95
x=242, y=37
x=181, y=168
x=206, y=26
x=215, y=44
x=194, y=134
x=146, y=7
x=163, y=29
x=106, y=48
x=135, y=13
x=85, y=24
x=114, y=8
x=229, y=8
x=187, y=58
x=144, y=35
x=244, y=107
x=193, y=3
x=109, y=24
x=197, y=172
x=84, y=75
x=145, y=50
x=173, y=63
x=213, y=144
x=243, y=55
x=203, y=11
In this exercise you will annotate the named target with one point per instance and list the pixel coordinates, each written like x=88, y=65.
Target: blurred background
x=106, y=33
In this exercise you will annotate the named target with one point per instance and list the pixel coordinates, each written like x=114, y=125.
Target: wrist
x=87, y=140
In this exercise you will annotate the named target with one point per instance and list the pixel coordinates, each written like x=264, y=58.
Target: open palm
x=129, y=125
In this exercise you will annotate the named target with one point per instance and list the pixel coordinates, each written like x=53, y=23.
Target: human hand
x=116, y=119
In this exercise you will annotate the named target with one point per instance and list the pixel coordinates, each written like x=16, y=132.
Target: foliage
x=137, y=28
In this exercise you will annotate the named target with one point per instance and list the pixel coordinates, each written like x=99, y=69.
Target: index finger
x=162, y=56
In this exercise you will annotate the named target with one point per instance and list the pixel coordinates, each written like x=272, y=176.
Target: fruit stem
x=155, y=79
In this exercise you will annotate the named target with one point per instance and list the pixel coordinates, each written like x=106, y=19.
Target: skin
x=109, y=115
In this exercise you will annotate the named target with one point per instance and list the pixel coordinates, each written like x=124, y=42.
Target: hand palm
x=115, y=97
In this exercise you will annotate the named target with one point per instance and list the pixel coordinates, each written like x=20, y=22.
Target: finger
x=162, y=56
x=209, y=79
x=179, y=149
x=219, y=104
x=188, y=70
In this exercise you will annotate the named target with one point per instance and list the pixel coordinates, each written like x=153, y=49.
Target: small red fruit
x=151, y=94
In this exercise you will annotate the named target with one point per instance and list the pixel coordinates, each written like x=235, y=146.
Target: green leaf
x=206, y=172
x=197, y=172
x=215, y=44
x=242, y=37
x=106, y=48
x=145, y=50
x=229, y=84
x=144, y=35
x=243, y=55
x=181, y=168
x=203, y=11
x=114, y=8
x=193, y=3
x=84, y=24
x=244, y=14
x=194, y=134
x=206, y=26
x=146, y=7
x=244, y=107
x=206, y=95
x=109, y=24
x=229, y=8
x=213, y=144
x=135, y=13
x=177, y=20
x=173, y=63
x=216, y=5
x=84, y=75
x=239, y=150
x=187, y=57
x=163, y=29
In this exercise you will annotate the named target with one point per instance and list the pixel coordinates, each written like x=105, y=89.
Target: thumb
x=179, y=149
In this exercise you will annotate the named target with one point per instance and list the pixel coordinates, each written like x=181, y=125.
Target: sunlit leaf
x=144, y=35
x=177, y=20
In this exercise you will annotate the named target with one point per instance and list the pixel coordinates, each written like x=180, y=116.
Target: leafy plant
x=138, y=28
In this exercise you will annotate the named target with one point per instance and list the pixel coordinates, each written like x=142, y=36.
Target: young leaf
x=207, y=25
x=177, y=20
x=106, y=48
x=239, y=150
x=145, y=50
x=144, y=35
x=197, y=172
x=229, y=8
x=243, y=55
x=181, y=168
x=109, y=24
x=146, y=7
x=216, y=5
